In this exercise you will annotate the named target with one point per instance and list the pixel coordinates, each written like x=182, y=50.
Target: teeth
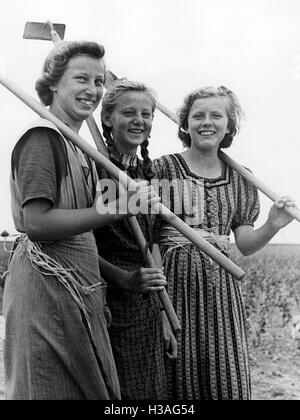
x=136, y=131
x=86, y=102
x=207, y=133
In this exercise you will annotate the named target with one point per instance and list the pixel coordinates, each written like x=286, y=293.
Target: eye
x=198, y=116
x=99, y=82
x=146, y=115
x=128, y=113
x=81, y=78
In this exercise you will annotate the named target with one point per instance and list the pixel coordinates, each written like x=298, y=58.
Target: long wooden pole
x=292, y=211
x=124, y=179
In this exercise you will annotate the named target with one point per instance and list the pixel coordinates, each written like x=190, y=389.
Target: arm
x=44, y=223
x=143, y=280
x=250, y=241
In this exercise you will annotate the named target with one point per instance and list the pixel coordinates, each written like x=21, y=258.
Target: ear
x=227, y=131
x=107, y=121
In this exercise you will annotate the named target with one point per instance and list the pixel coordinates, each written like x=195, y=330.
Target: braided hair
x=234, y=113
x=109, y=102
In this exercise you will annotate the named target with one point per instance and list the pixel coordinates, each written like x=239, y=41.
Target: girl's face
x=208, y=123
x=80, y=89
x=131, y=121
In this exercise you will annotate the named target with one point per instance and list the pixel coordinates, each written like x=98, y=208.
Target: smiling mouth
x=86, y=102
x=207, y=133
x=136, y=132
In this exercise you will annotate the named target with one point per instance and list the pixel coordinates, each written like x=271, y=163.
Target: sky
x=176, y=46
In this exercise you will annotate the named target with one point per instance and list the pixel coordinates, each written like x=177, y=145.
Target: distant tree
x=4, y=234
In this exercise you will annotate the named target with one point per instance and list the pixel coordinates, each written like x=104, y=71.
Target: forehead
x=134, y=100
x=210, y=104
x=86, y=64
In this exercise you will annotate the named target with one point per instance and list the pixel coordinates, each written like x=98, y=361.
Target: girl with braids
x=136, y=332
x=212, y=358
x=57, y=344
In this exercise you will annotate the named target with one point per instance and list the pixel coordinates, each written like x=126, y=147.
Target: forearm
x=58, y=224
x=250, y=241
x=113, y=274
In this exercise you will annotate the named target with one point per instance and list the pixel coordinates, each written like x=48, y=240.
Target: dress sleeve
x=38, y=164
x=248, y=206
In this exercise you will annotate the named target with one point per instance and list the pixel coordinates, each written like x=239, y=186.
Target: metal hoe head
x=42, y=30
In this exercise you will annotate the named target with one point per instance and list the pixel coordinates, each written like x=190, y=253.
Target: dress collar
x=129, y=161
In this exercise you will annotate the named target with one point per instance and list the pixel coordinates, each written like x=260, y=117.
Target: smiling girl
x=212, y=350
x=137, y=329
x=57, y=345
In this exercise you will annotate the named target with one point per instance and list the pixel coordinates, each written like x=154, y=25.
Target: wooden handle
x=163, y=295
x=294, y=212
x=126, y=181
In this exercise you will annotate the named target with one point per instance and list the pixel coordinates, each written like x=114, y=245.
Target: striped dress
x=213, y=355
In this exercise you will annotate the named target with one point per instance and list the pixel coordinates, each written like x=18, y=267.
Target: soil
x=273, y=377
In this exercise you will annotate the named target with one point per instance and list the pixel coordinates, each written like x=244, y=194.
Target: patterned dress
x=213, y=355
x=136, y=332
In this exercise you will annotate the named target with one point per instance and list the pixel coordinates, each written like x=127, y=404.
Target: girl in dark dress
x=137, y=329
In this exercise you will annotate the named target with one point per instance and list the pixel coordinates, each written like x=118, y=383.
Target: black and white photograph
x=150, y=202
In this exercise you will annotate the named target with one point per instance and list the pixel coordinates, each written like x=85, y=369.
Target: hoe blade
x=41, y=31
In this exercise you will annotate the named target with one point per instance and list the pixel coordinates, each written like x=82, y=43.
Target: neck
x=204, y=163
x=204, y=158
x=126, y=150
x=74, y=125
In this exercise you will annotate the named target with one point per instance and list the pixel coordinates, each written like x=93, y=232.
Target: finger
x=142, y=184
x=291, y=203
x=153, y=289
x=155, y=283
x=154, y=279
x=279, y=204
x=155, y=270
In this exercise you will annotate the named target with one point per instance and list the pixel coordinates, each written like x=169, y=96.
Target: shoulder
x=39, y=143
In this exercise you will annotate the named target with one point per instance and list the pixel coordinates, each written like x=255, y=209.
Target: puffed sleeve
x=248, y=206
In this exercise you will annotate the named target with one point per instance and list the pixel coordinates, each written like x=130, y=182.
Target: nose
x=138, y=119
x=207, y=121
x=92, y=89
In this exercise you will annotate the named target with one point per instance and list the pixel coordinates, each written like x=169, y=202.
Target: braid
x=147, y=164
x=111, y=147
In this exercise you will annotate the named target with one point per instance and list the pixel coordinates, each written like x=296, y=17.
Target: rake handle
x=126, y=181
x=292, y=211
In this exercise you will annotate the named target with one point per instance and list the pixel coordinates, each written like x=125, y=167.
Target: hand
x=139, y=199
x=146, y=280
x=171, y=345
x=278, y=217
x=142, y=199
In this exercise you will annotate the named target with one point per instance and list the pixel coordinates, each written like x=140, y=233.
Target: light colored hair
x=234, y=113
x=56, y=63
x=109, y=102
